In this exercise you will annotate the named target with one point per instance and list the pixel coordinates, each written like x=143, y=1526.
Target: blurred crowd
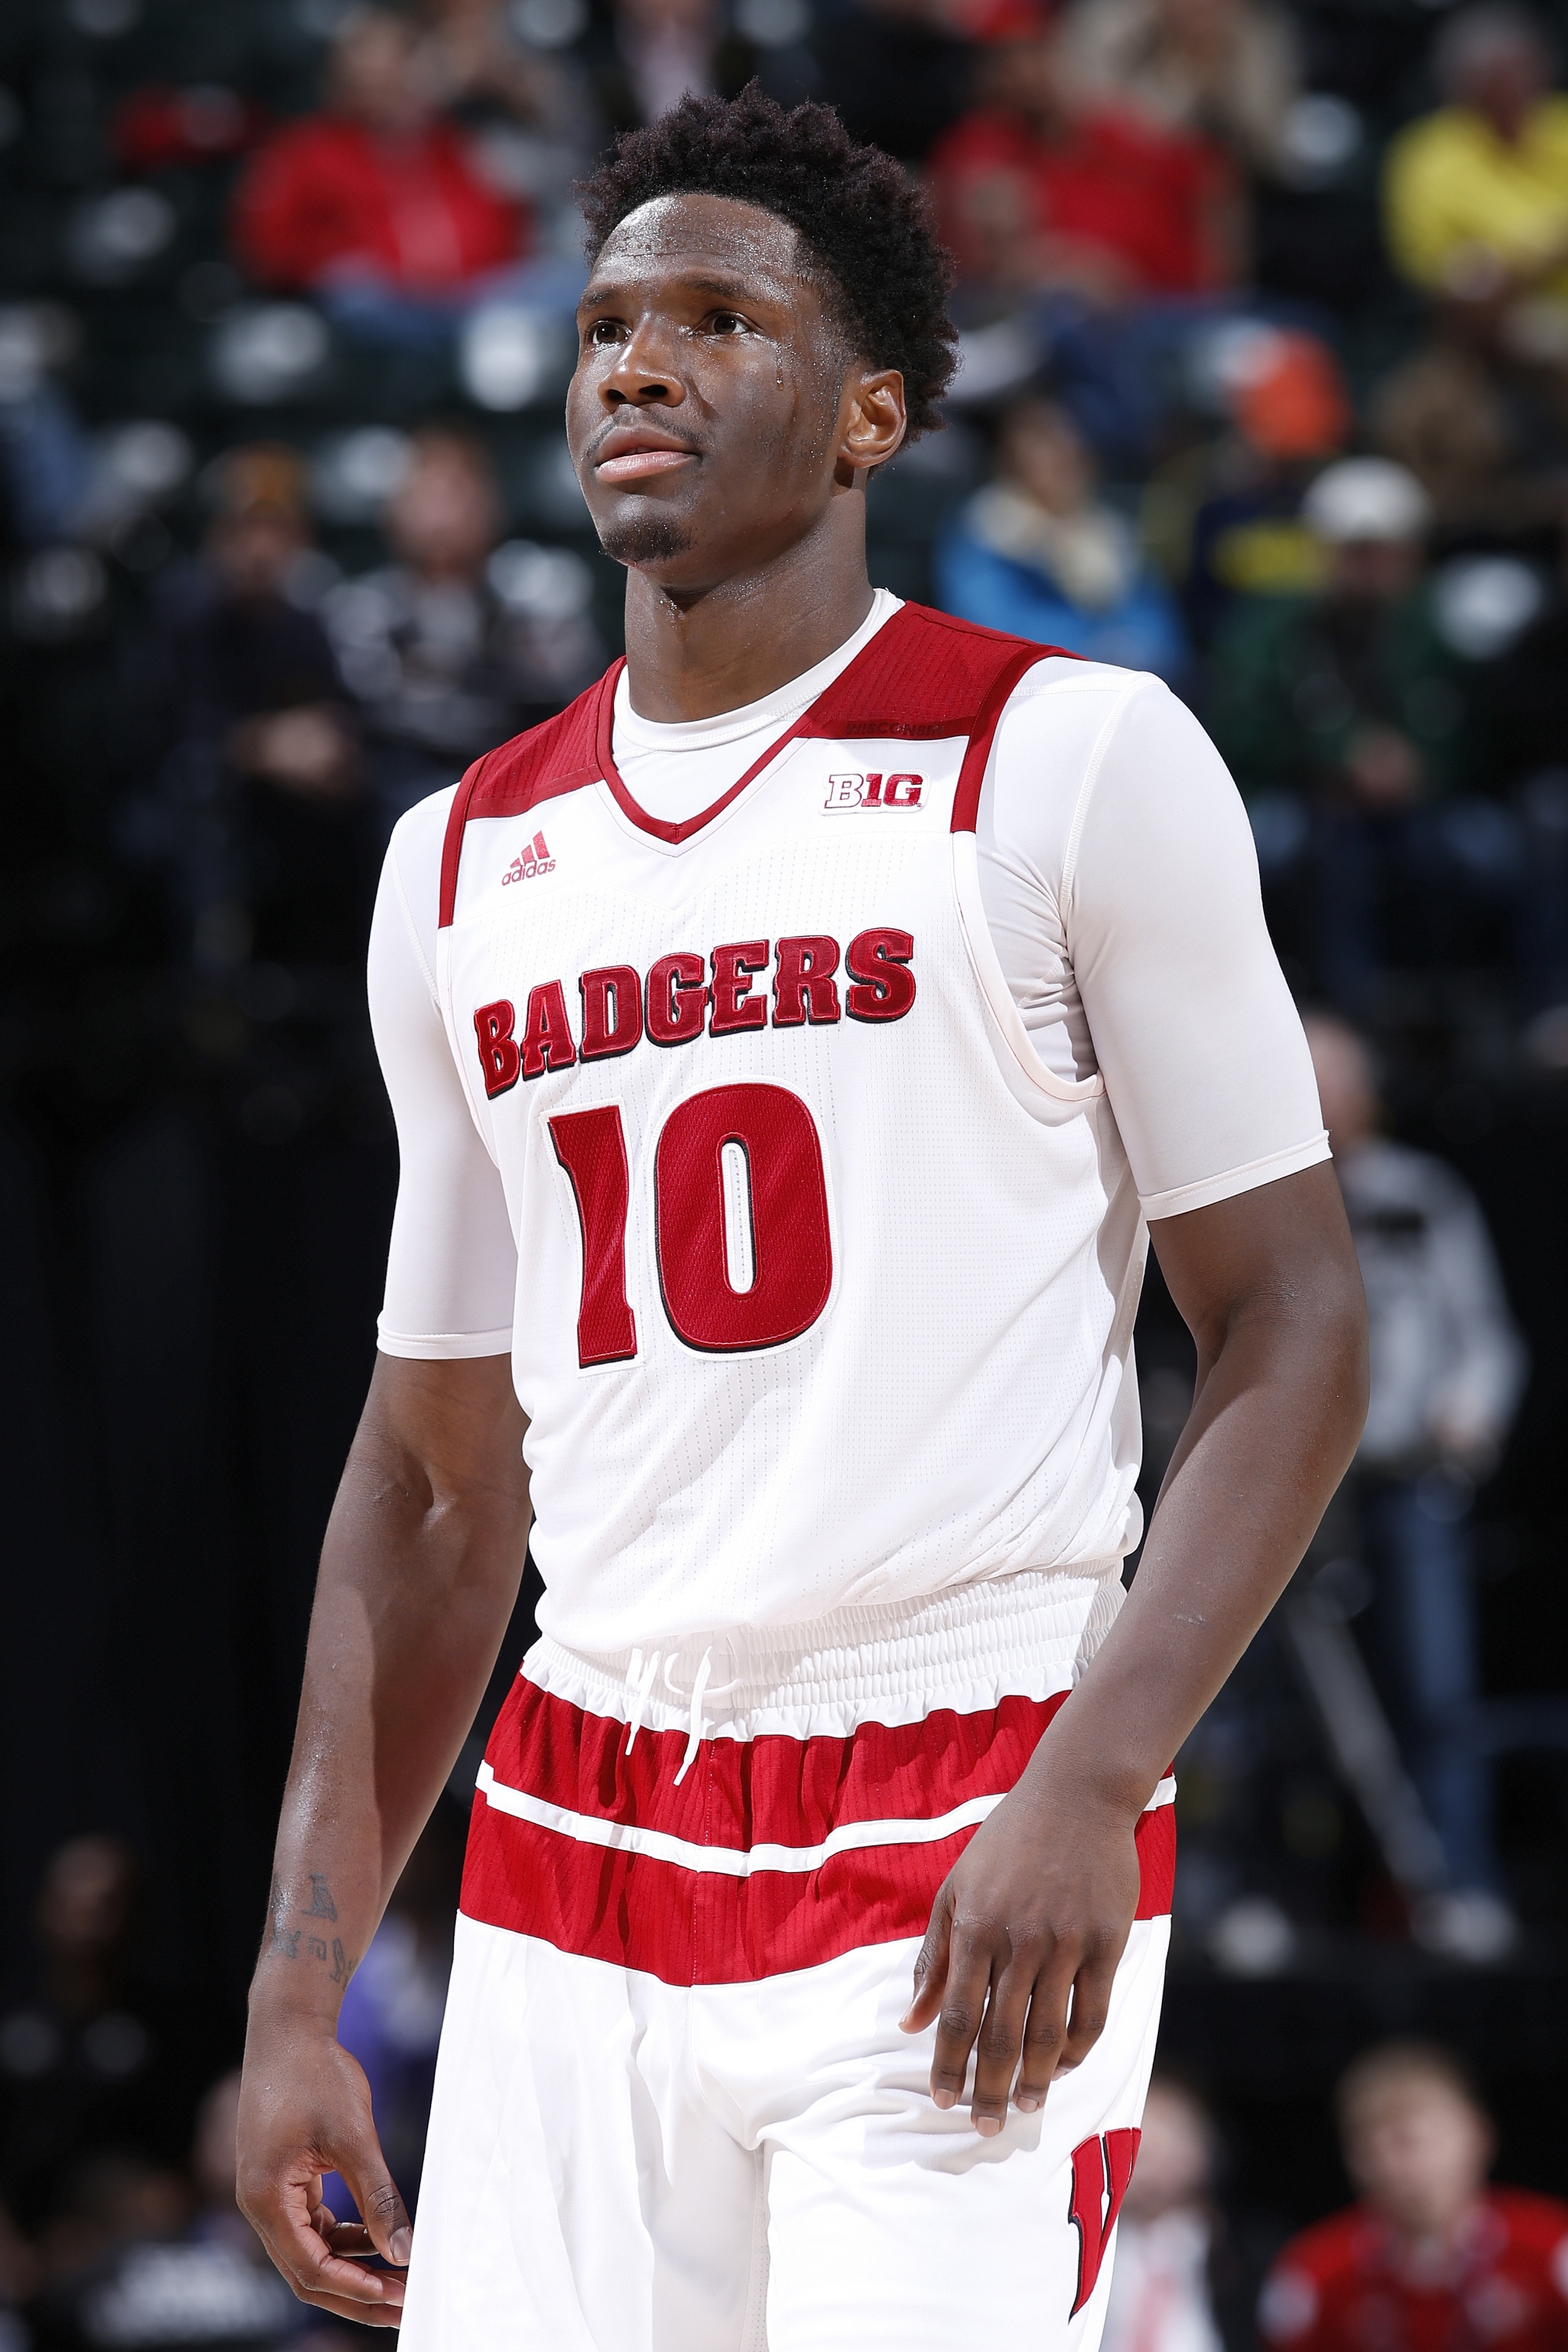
x=1264, y=387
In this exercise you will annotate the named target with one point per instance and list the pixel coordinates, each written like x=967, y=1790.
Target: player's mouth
x=634, y=457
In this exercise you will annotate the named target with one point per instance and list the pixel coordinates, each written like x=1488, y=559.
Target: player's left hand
x=1024, y=1938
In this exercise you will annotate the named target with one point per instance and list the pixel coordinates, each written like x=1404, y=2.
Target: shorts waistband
x=1027, y=1635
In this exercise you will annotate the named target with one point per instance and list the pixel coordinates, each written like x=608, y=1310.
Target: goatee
x=644, y=538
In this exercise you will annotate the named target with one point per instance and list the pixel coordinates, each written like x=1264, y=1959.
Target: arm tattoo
x=284, y=1942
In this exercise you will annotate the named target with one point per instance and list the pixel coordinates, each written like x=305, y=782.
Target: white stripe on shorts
x=740, y=1862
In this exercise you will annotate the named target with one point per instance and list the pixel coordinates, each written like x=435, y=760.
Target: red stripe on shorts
x=690, y=1926
x=772, y=1790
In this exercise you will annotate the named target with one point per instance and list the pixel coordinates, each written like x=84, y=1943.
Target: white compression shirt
x=1121, y=890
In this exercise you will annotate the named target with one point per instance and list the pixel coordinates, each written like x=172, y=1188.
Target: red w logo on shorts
x=1101, y=2168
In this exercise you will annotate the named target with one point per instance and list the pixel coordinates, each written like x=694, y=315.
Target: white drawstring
x=694, y=1735
x=639, y=1683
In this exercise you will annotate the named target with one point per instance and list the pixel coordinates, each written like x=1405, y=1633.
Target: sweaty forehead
x=704, y=236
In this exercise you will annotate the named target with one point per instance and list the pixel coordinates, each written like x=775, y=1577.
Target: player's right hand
x=304, y=2110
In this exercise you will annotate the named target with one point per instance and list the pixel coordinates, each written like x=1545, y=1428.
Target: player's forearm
x=419, y=1573
x=1278, y=1408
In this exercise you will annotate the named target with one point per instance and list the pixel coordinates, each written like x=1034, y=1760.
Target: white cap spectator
x=1366, y=497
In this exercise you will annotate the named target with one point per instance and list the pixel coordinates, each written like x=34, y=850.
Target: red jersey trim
x=972, y=775
x=924, y=675
x=660, y=827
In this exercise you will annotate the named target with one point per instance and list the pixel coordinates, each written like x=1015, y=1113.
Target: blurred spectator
x=1344, y=716
x=374, y=205
x=472, y=59
x=1038, y=192
x=1036, y=551
x=94, y=2057
x=1476, y=194
x=249, y=775
x=1448, y=1367
x=657, y=50
x=1429, y=2256
x=1483, y=443
x=444, y=666
x=1225, y=518
x=1226, y=68
x=529, y=111
x=899, y=71
x=1526, y=712
x=1160, y=2299
x=45, y=460
x=147, y=2264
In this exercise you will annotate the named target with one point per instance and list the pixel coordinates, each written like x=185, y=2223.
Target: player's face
x=715, y=411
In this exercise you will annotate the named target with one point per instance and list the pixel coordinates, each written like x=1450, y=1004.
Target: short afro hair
x=863, y=224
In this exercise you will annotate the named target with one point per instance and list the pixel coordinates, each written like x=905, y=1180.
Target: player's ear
x=872, y=422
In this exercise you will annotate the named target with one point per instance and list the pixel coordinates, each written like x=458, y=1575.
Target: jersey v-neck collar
x=676, y=831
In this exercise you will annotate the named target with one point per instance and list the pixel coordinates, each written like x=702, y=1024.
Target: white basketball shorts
x=674, y=2111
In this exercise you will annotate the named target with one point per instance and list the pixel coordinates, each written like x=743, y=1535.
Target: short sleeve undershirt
x=1121, y=889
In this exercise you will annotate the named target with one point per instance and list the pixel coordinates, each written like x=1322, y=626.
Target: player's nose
x=645, y=373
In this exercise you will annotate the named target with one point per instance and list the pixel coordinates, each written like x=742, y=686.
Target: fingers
x=931, y=1967
x=374, y=2191
x=1043, y=2037
x=1017, y=2024
x=295, y=2239
x=352, y=2239
x=963, y=2001
x=996, y=2050
x=1091, y=2005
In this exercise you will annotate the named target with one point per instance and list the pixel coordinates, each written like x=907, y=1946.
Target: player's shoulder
x=559, y=752
x=926, y=673
x=1536, y=2225
x=1332, y=2247
x=504, y=781
x=1310, y=2273
x=1063, y=705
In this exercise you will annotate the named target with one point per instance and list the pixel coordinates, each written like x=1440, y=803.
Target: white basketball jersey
x=825, y=1284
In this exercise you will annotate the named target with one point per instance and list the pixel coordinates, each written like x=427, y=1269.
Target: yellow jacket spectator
x=1476, y=195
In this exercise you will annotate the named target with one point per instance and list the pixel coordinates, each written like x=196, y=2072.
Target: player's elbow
x=1345, y=1374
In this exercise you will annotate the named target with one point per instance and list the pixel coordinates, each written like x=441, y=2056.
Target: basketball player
x=791, y=1045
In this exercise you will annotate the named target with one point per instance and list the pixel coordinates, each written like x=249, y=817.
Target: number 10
x=739, y=1192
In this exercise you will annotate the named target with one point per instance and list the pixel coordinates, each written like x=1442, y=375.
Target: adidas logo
x=535, y=859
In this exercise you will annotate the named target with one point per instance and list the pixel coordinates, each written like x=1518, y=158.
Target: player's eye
x=727, y=323
x=603, y=330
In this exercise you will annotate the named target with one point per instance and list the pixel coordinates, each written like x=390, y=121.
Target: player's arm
x=1208, y=1072
x=1027, y=1931
x=419, y=1571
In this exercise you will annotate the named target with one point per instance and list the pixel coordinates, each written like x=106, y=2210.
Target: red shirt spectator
x=1035, y=192
x=1432, y=2260
x=1352, y=2285
x=374, y=187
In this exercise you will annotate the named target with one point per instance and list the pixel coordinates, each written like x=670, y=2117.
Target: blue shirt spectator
x=1038, y=554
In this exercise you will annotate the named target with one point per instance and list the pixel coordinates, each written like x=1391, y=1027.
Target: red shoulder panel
x=927, y=674
x=924, y=674
x=558, y=756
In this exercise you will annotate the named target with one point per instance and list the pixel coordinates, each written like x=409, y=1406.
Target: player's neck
x=695, y=651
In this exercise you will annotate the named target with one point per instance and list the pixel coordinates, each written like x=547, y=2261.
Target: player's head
x=766, y=322
x=1416, y=2139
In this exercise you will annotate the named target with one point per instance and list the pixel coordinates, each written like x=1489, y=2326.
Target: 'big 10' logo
x=854, y=791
